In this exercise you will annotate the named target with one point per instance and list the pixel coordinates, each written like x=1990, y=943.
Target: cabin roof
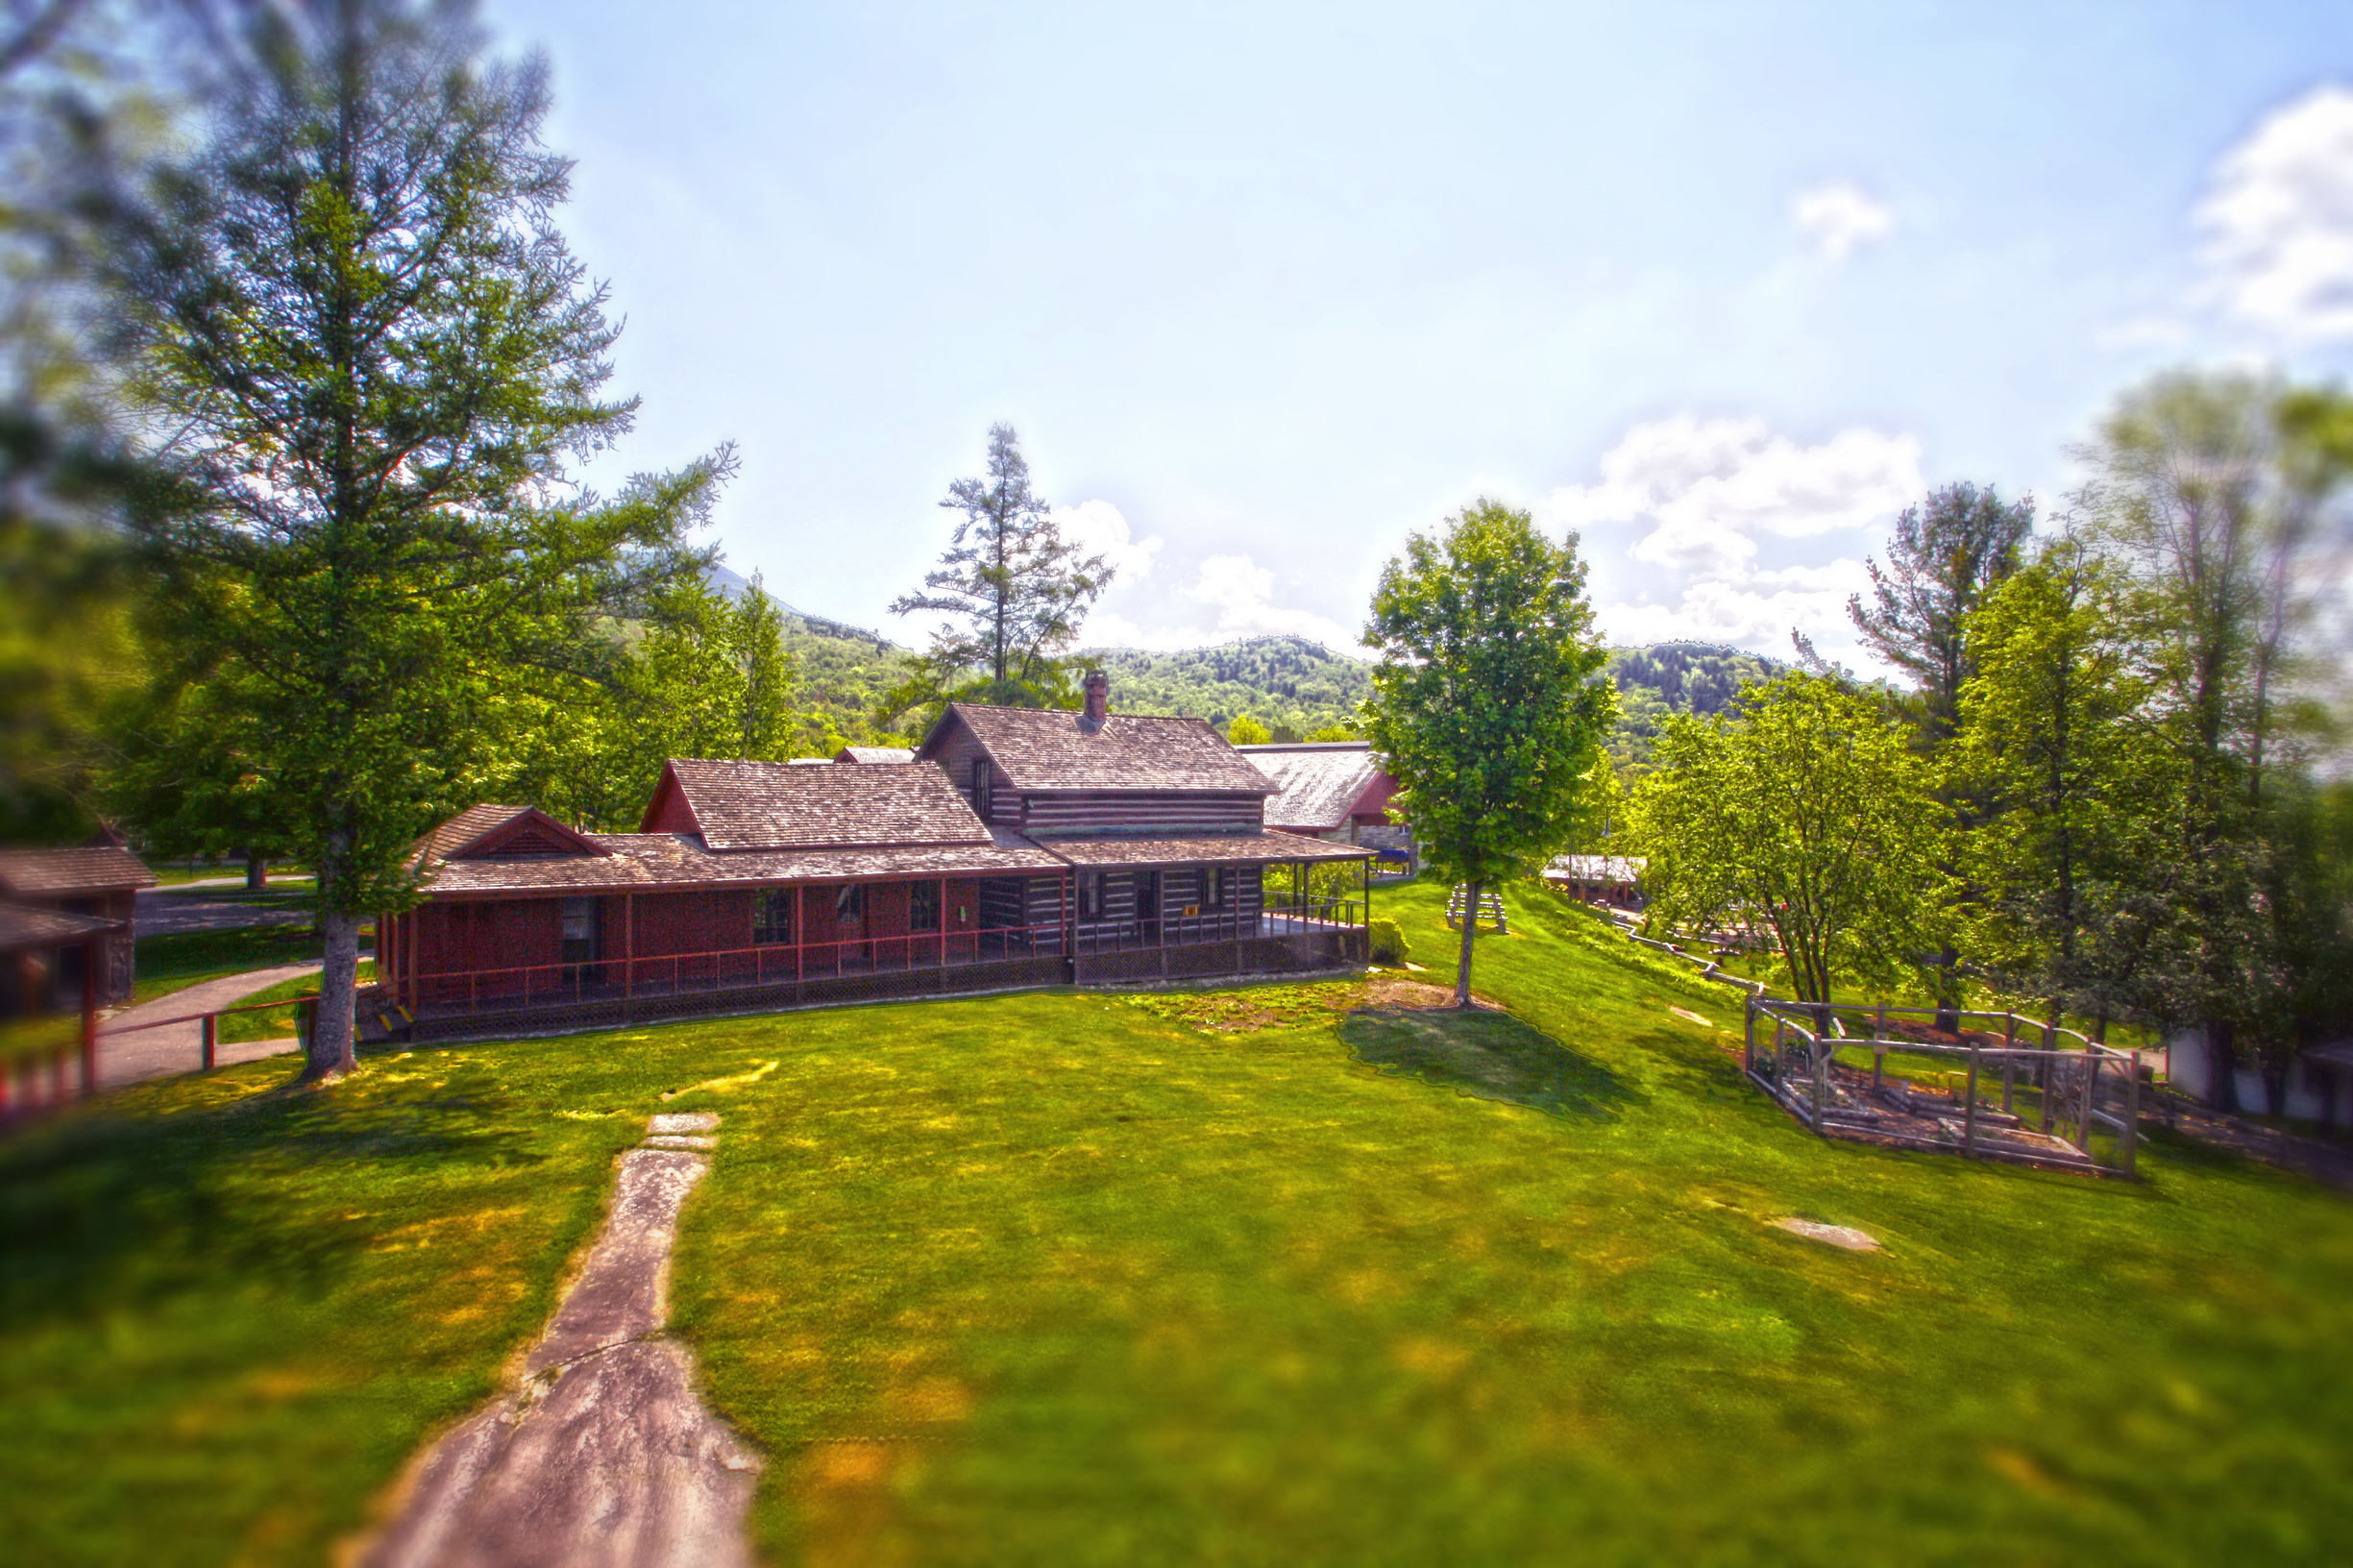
x=54, y=873
x=875, y=753
x=1046, y=750
x=22, y=927
x=774, y=805
x=1320, y=781
x=1210, y=847
x=655, y=862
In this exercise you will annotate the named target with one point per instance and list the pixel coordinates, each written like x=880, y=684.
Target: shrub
x=1389, y=943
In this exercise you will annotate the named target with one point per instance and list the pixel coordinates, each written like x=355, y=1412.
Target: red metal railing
x=719, y=969
x=605, y=979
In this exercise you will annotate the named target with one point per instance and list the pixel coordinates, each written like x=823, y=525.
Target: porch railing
x=774, y=964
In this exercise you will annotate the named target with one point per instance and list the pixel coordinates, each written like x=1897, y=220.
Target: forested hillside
x=1674, y=678
x=1286, y=683
x=1292, y=685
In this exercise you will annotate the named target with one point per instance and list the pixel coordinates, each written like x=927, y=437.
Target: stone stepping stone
x=1836, y=1235
x=684, y=1121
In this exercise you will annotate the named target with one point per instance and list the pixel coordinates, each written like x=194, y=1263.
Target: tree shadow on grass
x=107, y=1207
x=1488, y=1055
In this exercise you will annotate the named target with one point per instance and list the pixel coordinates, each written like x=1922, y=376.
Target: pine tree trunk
x=1470, y=932
x=332, y=1027
x=2221, y=1068
x=257, y=871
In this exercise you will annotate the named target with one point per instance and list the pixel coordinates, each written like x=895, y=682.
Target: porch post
x=940, y=914
x=89, y=1015
x=628, y=945
x=800, y=928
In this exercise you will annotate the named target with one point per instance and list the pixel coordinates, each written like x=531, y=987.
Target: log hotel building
x=1017, y=847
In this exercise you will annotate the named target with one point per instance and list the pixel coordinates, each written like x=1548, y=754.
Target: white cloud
x=1242, y=593
x=1100, y=528
x=2278, y=220
x=2146, y=333
x=1745, y=617
x=1705, y=488
x=1839, y=218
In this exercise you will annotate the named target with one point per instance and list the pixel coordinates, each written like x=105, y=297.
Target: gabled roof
x=1321, y=781
x=21, y=927
x=774, y=805
x=57, y=873
x=1047, y=749
x=875, y=753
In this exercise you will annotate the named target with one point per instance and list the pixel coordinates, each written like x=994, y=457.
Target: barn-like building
x=1021, y=847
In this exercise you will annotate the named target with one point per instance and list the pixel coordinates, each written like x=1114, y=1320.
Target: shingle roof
x=653, y=862
x=875, y=753
x=1045, y=749
x=1172, y=852
x=1320, y=781
x=774, y=805
x=21, y=927
x=49, y=873
x=462, y=830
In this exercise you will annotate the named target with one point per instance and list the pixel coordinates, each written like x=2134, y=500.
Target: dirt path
x=178, y=1047
x=600, y=1455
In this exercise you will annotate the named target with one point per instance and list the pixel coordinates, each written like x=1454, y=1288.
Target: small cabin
x=98, y=882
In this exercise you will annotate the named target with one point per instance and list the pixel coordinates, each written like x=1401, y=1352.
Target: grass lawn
x=1229, y=1276
x=173, y=962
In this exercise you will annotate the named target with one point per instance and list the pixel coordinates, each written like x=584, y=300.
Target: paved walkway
x=600, y=1455
x=178, y=1047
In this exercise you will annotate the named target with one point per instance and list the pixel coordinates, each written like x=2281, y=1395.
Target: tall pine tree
x=375, y=358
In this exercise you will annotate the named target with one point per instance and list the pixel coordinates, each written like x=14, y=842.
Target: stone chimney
x=1098, y=702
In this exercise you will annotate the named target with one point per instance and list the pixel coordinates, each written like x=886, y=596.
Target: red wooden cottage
x=1023, y=847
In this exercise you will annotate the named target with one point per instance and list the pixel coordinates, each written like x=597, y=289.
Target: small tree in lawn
x=1484, y=703
x=367, y=355
x=1802, y=810
x=1016, y=592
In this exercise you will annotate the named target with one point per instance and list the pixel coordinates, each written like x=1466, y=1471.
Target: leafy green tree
x=1327, y=733
x=375, y=356
x=1015, y=590
x=2073, y=850
x=699, y=677
x=1245, y=731
x=2213, y=495
x=1484, y=703
x=1802, y=811
x=193, y=775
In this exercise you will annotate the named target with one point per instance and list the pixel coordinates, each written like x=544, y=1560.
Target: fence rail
x=2050, y=1111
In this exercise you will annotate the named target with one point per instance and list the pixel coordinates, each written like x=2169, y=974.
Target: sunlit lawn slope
x=1095, y=1278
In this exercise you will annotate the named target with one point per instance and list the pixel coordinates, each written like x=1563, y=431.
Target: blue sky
x=1264, y=287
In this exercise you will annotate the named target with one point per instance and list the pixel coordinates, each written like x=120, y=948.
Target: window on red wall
x=922, y=906
x=772, y=916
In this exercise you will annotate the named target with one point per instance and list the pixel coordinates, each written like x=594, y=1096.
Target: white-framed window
x=980, y=787
x=922, y=906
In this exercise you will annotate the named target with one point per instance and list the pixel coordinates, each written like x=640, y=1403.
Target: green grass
x=278, y=1022
x=174, y=962
x=1236, y=1275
